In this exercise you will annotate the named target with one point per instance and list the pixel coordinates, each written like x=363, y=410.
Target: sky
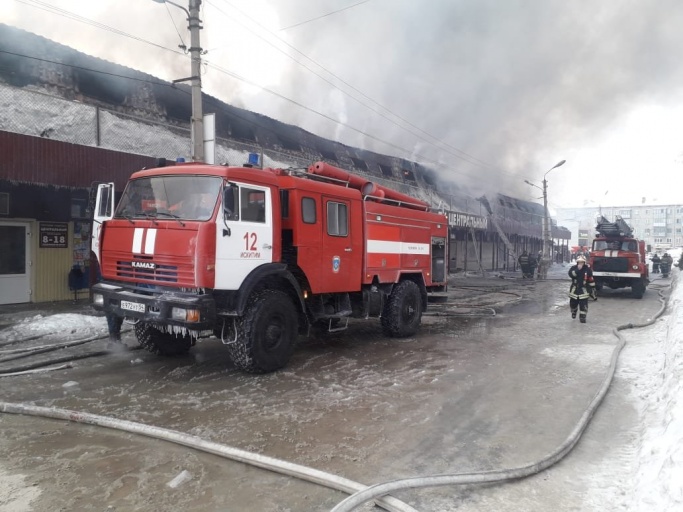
x=489, y=93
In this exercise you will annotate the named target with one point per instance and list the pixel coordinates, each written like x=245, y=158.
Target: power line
x=82, y=68
x=68, y=14
x=182, y=45
x=460, y=154
x=81, y=19
x=324, y=15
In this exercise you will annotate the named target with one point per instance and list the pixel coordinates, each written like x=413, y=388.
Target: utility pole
x=197, y=120
x=545, y=260
x=196, y=55
x=545, y=256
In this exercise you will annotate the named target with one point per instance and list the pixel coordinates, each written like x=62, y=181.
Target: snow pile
x=660, y=472
x=66, y=325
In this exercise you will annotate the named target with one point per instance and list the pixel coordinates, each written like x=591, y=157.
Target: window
x=284, y=204
x=308, y=210
x=252, y=205
x=105, y=202
x=4, y=203
x=13, y=255
x=337, y=220
x=170, y=197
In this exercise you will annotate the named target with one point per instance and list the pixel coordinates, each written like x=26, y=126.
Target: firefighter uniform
x=524, y=262
x=582, y=287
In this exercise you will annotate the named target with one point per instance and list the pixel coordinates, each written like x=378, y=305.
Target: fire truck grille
x=158, y=274
x=611, y=264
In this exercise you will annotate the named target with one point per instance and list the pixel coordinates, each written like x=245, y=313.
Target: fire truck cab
x=257, y=256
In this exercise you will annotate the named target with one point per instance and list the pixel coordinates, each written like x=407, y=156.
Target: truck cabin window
x=614, y=245
x=337, y=219
x=252, y=205
x=179, y=197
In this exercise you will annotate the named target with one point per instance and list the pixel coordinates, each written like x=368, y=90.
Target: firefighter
x=655, y=263
x=523, y=261
x=533, y=263
x=582, y=287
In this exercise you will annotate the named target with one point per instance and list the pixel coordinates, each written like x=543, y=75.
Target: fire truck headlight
x=189, y=315
x=98, y=299
x=635, y=267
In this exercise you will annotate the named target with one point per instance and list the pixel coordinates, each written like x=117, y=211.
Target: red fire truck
x=256, y=257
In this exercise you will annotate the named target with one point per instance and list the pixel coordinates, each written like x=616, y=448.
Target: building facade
x=660, y=226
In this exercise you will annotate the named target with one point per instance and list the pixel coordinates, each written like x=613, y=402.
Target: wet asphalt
x=496, y=377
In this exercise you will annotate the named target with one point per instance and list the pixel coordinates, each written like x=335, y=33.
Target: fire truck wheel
x=266, y=333
x=402, y=313
x=161, y=343
x=638, y=289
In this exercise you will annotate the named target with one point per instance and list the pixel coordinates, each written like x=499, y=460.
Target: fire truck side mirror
x=230, y=202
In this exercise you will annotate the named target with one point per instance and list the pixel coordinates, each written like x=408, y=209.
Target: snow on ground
x=660, y=473
x=15, y=495
x=65, y=325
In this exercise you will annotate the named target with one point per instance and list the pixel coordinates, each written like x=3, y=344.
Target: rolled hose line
x=504, y=475
x=254, y=459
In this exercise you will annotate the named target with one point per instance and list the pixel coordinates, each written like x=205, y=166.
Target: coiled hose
x=505, y=475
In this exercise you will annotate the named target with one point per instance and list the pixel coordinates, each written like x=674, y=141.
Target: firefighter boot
x=582, y=319
x=114, y=342
x=574, y=310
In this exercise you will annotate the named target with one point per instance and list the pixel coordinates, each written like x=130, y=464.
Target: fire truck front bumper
x=189, y=310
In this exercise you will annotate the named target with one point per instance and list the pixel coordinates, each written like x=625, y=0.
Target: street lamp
x=197, y=121
x=545, y=258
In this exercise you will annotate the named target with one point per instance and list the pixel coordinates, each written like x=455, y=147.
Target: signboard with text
x=54, y=235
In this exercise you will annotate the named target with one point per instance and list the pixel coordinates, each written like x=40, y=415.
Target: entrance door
x=15, y=263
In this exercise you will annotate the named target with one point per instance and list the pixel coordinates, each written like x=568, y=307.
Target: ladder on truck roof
x=613, y=229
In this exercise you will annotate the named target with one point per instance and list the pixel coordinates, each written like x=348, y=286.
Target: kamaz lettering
x=143, y=264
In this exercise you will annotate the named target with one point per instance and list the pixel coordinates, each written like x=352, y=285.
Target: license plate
x=133, y=306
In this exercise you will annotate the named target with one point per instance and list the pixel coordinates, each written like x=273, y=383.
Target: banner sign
x=465, y=220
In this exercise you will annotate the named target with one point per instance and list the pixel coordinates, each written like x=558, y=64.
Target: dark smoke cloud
x=516, y=84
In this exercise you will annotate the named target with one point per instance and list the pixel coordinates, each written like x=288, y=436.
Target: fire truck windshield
x=180, y=197
x=618, y=245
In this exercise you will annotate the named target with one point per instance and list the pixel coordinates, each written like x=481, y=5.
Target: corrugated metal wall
x=45, y=165
x=51, y=269
x=39, y=160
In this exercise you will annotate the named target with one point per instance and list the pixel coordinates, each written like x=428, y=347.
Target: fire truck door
x=342, y=248
x=104, y=210
x=244, y=234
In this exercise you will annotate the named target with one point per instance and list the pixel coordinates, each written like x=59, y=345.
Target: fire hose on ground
x=254, y=459
x=506, y=475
